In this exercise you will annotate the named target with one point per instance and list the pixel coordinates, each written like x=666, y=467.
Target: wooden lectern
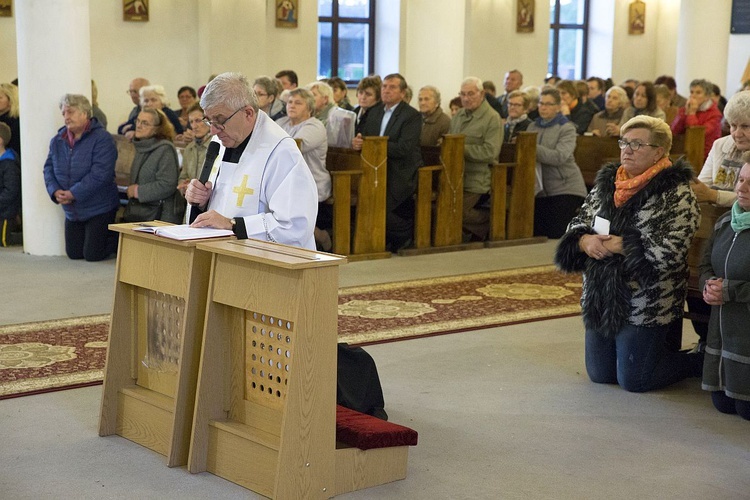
x=265, y=410
x=154, y=341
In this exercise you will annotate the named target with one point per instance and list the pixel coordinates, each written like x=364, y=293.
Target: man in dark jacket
x=128, y=128
x=403, y=125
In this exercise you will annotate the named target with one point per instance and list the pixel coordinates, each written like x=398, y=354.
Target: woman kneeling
x=631, y=240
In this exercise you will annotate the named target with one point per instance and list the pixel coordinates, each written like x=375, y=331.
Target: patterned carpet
x=408, y=309
x=63, y=354
x=52, y=355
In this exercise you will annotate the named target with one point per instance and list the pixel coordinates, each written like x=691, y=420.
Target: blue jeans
x=637, y=358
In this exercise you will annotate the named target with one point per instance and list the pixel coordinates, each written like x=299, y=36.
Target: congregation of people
x=629, y=235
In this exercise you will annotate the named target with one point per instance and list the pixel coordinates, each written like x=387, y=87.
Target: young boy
x=10, y=190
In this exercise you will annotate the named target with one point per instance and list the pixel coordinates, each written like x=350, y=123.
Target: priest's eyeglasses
x=634, y=145
x=220, y=125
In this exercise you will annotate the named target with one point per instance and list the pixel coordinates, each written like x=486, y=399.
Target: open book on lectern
x=183, y=231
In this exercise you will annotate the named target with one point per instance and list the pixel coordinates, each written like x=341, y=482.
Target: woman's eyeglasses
x=634, y=145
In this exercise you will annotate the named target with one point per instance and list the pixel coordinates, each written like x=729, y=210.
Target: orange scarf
x=626, y=186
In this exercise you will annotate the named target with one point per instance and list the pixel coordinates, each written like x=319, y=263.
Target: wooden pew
x=125, y=154
x=691, y=145
x=592, y=153
x=450, y=193
x=440, y=182
x=512, y=202
x=709, y=215
x=359, y=178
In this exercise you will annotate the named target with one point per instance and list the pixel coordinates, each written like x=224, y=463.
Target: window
x=569, y=21
x=346, y=39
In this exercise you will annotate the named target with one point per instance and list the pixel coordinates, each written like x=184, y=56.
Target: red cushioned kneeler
x=367, y=432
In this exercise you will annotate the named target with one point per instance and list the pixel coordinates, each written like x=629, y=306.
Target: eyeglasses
x=634, y=145
x=468, y=94
x=220, y=125
x=261, y=94
x=144, y=123
x=547, y=103
x=515, y=105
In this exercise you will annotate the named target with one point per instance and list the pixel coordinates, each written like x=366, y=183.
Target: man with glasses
x=484, y=136
x=128, y=128
x=259, y=187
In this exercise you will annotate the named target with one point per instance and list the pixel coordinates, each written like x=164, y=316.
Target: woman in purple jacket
x=80, y=176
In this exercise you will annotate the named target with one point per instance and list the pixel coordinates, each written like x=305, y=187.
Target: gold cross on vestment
x=242, y=190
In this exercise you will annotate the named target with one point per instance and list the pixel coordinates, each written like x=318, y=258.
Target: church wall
x=703, y=34
x=634, y=56
x=8, y=57
x=434, y=47
x=739, y=57
x=163, y=50
x=492, y=46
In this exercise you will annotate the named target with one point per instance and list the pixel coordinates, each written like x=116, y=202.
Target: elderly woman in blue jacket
x=80, y=175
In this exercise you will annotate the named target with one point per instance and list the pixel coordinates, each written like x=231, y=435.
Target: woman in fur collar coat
x=631, y=240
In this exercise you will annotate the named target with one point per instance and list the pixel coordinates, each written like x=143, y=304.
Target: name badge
x=601, y=225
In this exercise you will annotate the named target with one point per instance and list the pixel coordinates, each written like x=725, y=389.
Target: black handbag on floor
x=358, y=385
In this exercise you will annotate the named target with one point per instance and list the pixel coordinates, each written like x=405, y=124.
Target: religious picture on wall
x=135, y=10
x=637, y=18
x=525, y=16
x=6, y=8
x=286, y=13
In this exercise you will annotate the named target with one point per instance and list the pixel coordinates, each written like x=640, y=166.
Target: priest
x=259, y=186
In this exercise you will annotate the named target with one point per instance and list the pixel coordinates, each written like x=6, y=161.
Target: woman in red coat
x=700, y=110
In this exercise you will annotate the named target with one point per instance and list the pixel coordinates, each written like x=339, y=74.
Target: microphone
x=211, y=154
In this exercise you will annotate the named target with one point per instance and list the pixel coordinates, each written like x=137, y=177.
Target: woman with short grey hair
x=80, y=175
x=154, y=96
x=300, y=123
x=719, y=173
x=700, y=111
x=323, y=100
x=606, y=123
x=267, y=92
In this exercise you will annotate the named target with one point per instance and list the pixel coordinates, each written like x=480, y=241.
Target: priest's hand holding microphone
x=199, y=191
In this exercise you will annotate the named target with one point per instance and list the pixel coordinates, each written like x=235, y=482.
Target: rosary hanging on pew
x=374, y=167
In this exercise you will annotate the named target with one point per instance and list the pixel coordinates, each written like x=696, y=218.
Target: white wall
x=434, y=44
x=739, y=57
x=8, y=57
x=601, y=35
x=492, y=46
x=697, y=55
x=668, y=21
x=634, y=56
x=388, y=41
